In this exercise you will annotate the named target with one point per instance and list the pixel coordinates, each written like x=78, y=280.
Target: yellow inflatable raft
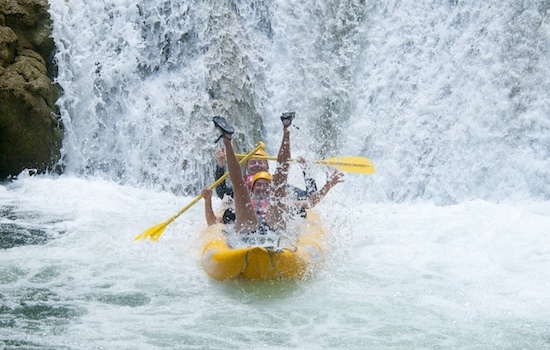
x=285, y=258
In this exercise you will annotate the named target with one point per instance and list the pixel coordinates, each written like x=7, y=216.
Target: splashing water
x=445, y=246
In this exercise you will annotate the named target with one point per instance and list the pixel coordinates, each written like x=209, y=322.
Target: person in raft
x=260, y=190
x=266, y=208
x=225, y=190
x=255, y=165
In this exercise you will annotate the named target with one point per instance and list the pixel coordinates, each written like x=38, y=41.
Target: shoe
x=288, y=116
x=226, y=129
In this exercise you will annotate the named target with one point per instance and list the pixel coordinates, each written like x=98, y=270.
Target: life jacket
x=248, y=180
x=260, y=205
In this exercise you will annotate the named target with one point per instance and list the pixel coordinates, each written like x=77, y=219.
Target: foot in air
x=225, y=129
x=287, y=118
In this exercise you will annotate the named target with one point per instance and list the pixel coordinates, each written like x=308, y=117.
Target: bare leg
x=245, y=216
x=279, y=209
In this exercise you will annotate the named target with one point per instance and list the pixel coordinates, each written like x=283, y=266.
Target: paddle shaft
x=244, y=159
x=360, y=165
x=156, y=231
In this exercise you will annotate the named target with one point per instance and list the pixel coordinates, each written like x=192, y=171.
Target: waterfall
x=448, y=98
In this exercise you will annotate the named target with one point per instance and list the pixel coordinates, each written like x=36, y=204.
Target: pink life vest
x=260, y=206
x=248, y=180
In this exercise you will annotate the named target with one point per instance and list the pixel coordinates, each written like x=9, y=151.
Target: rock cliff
x=31, y=132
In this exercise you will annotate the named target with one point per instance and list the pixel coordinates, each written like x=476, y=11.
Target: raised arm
x=334, y=178
x=211, y=218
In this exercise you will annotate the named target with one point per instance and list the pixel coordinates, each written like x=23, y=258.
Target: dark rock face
x=31, y=133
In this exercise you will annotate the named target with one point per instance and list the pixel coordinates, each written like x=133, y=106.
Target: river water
x=398, y=276
x=445, y=246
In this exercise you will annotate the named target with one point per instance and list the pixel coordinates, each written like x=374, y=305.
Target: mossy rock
x=31, y=132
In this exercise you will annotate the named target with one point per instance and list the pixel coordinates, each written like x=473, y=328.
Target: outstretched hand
x=302, y=162
x=335, y=177
x=207, y=194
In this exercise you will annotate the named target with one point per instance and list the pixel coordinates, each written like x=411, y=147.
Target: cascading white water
x=445, y=246
x=453, y=95
x=447, y=97
x=142, y=82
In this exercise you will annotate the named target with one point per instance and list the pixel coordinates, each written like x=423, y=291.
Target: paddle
x=156, y=231
x=351, y=164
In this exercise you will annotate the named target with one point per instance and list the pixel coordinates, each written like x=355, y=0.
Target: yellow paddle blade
x=350, y=164
x=153, y=232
